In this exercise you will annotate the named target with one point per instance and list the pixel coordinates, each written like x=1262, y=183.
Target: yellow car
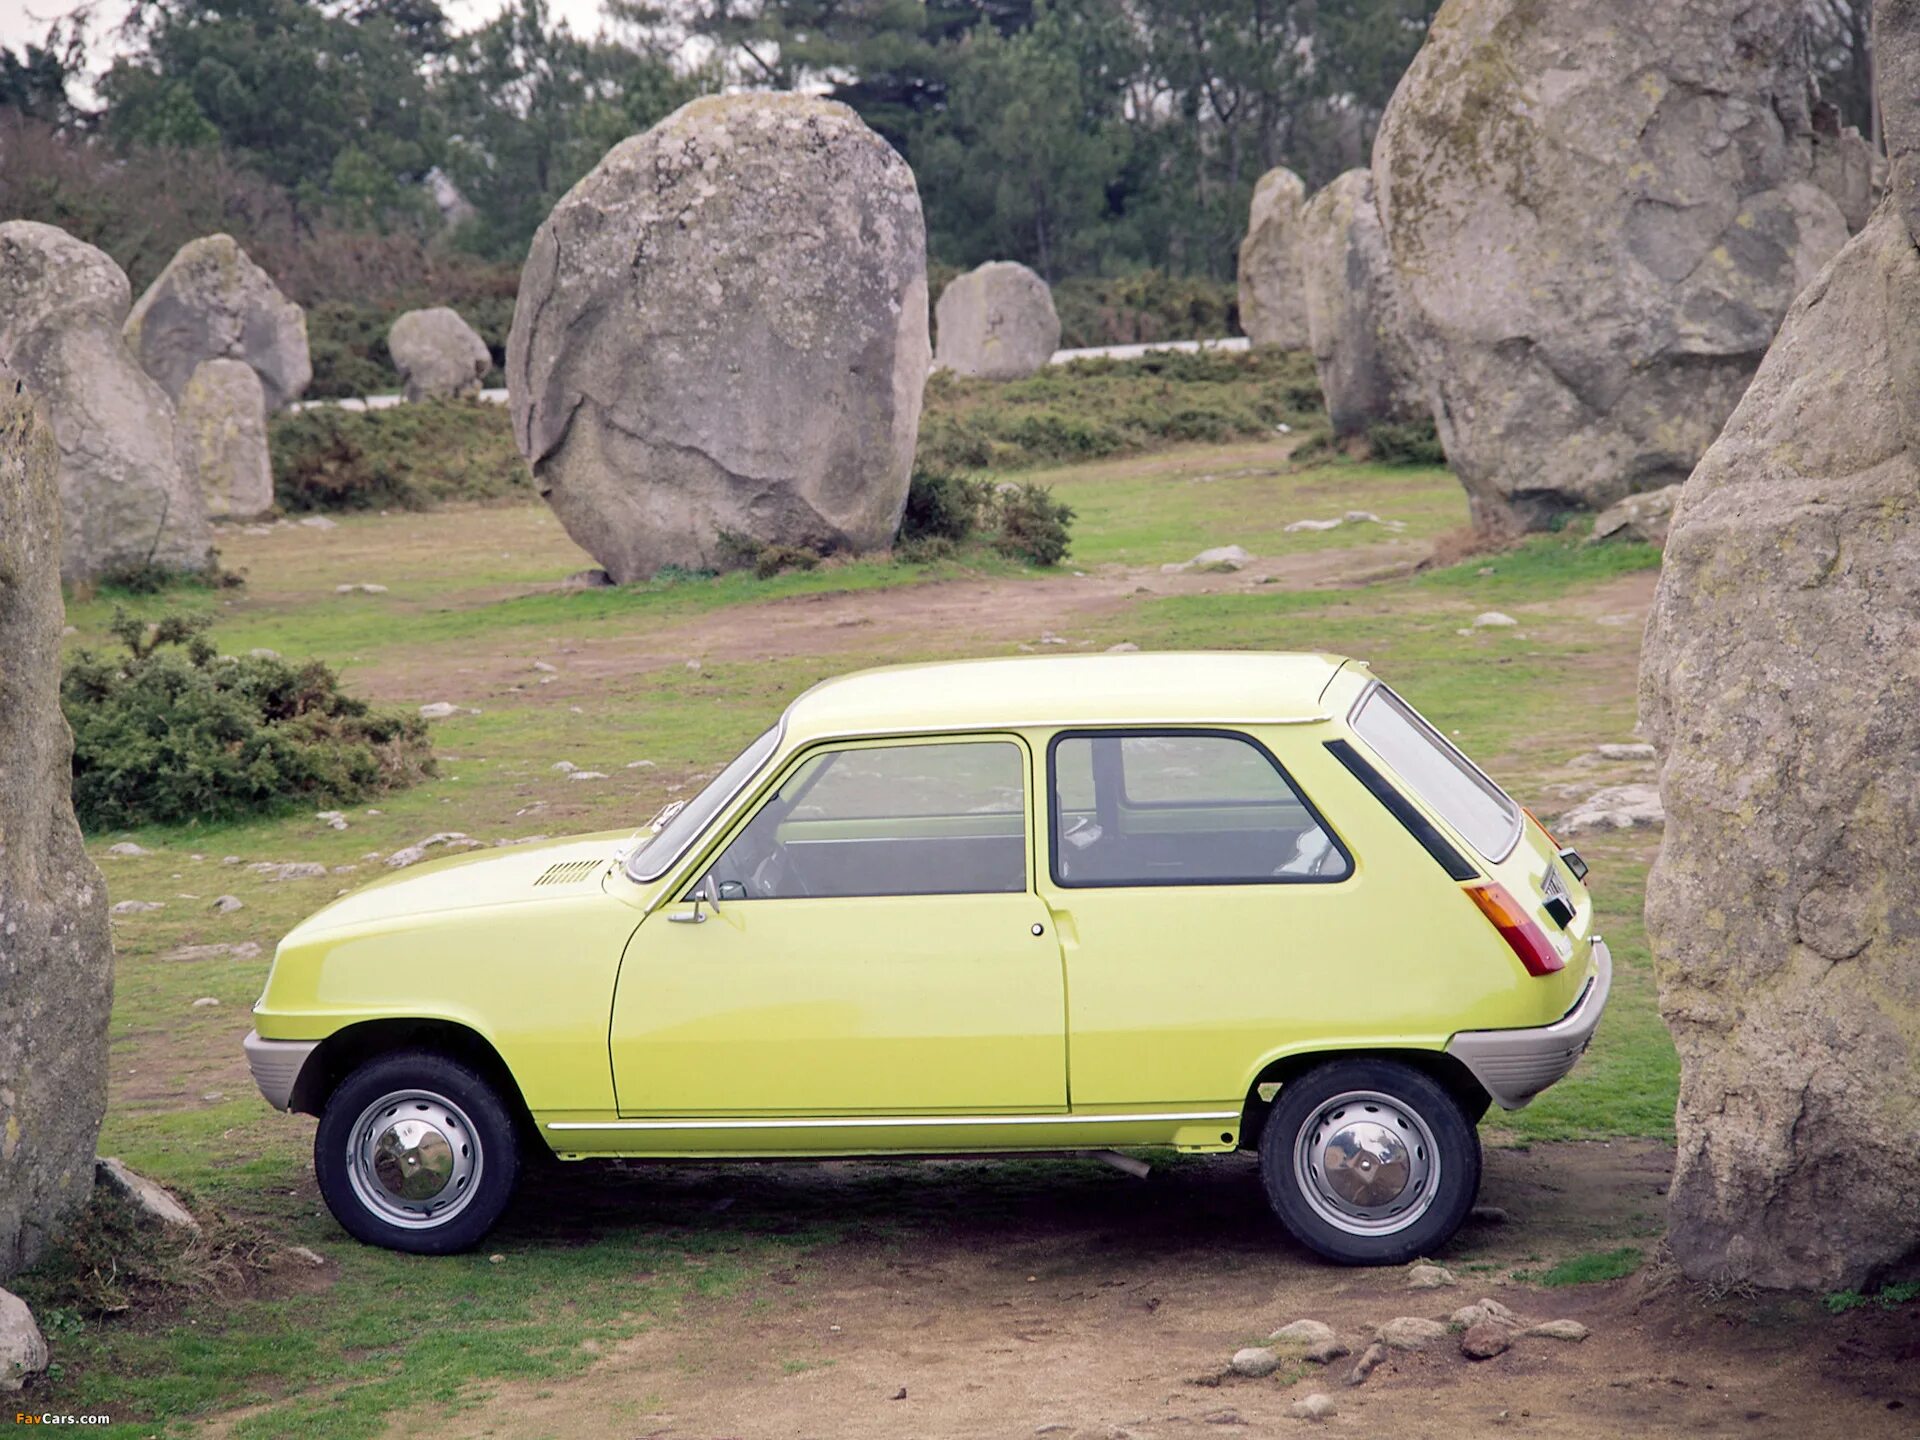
x=1205, y=902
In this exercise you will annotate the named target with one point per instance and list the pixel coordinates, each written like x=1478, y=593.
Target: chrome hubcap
x=1367, y=1163
x=413, y=1159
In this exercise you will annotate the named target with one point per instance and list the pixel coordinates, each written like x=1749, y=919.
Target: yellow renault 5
x=1199, y=902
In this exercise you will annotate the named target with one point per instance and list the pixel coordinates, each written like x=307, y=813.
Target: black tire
x=1390, y=1105
x=477, y=1147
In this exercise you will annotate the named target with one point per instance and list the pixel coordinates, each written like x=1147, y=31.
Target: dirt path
x=1064, y=1300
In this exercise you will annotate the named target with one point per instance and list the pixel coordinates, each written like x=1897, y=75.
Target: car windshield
x=1439, y=774
x=683, y=826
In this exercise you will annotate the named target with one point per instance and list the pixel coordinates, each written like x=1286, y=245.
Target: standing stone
x=223, y=439
x=1366, y=370
x=996, y=322
x=212, y=302
x=124, y=498
x=1273, y=309
x=55, y=956
x=723, y=327
x=437, y=353
x=1778, y=677
x=1598, y=216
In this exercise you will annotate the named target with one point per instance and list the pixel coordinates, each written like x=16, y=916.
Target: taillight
x=1517, y=928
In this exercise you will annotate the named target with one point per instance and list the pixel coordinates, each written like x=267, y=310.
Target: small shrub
x=1415, y=442
x=1029, y=524
x=407, y=457
x=173, y=732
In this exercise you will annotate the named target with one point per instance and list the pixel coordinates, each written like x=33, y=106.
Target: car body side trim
x=889, y=1122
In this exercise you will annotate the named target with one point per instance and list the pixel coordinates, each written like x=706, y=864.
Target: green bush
x=172, y=732
x=405, y=457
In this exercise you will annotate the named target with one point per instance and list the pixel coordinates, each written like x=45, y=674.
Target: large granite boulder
x=996, y=322
x=1598, y=216
x=1778, y=676
x=125, y=499
x=223, y=439
x=55, y=956
x=1273, y=311
x=723, y=327
x=1366, y=370
x=437, y=353
x=212, y=302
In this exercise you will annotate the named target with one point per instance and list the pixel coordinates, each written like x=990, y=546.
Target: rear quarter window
x=1483, y=814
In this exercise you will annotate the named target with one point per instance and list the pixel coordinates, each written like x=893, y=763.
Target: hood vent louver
x=567, y=872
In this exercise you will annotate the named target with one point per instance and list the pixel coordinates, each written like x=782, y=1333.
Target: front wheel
x=1369, y=1162
x=416, y=1152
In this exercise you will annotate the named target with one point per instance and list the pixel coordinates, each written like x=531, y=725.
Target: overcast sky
x=25, y=20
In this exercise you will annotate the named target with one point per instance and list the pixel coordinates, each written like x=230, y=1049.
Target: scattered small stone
x=1488, y=1215
x=1410, y=1332
x=332, y=819
x=301, y=1252
x=1634, y=750
x=1429, y=1277
x=153, y=1201
x=1303, y=1332
x=359, y=589
x=138, y=907
x=278, y=870
x=227, y=904
x=319, y=522
x=1368, y=1362
x=205, y=1002
x=1125, y=647
x=128, y=849
x=1256, y=1362
x=1485, y=1340
x=1313, y=1407
x=23, y=1349
x=1493, y=620
x=1558, y=1330
x=1619, y=807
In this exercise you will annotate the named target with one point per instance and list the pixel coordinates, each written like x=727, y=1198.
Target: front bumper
x=276, y=1065
x=1513, y=1066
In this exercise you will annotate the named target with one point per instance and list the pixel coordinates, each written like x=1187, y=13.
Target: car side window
x=912, y=819
x=1174, y=807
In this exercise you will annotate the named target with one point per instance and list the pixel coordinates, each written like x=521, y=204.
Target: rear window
x=1439, y=774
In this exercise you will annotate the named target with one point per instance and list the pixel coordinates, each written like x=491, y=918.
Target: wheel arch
x=1454, y=1077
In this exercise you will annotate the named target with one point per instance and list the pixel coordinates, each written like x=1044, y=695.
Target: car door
x=877, y=948
x=1200, y=898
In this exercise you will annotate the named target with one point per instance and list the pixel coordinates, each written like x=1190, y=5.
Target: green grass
x=1595, y=1268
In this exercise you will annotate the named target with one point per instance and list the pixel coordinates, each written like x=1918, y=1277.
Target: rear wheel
x=416, y=1152
x=1369, y=1162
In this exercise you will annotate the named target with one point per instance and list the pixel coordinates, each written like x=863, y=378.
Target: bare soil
x=1066, y=1299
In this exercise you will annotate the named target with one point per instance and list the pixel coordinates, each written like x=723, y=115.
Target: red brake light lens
x=1517, y=928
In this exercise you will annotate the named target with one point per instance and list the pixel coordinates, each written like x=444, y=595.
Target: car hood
x=474, y=878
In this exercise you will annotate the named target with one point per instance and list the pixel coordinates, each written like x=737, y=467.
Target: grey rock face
x=212, y=302
x=223, y=440
x=1778, y=677
x=996, y=322
x=437, y=353
x=724, y=327
x=55, y=955
x=1366, y=370
x=124, y=498
x=1273, y=305
x=1598, y=217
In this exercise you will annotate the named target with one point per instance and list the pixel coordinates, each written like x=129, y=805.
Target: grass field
x=679, y=675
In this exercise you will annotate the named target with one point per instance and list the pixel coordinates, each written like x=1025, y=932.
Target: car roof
x=1143, y=688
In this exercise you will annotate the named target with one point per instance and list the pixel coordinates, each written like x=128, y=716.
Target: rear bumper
x=276, y=1065
x=1513, y=1066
